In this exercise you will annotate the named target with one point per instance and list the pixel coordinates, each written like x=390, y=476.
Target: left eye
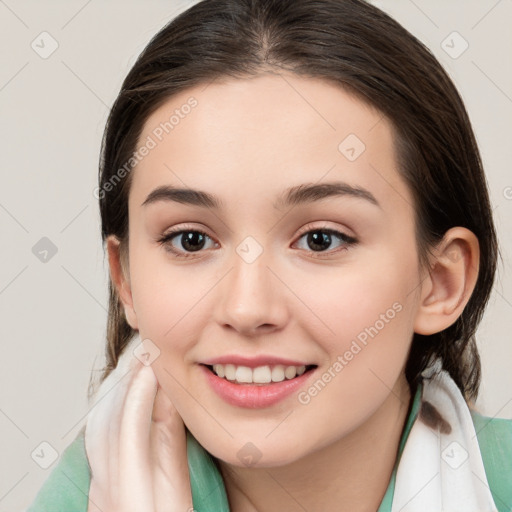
x=319, y=239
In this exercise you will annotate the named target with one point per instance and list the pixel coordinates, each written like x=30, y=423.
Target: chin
x=255, y=454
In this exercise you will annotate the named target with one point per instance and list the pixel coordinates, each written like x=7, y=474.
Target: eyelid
x=305, y=229
x=315, y=227
x=185, y=227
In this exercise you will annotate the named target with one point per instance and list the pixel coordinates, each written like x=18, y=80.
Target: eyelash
x=165, y=239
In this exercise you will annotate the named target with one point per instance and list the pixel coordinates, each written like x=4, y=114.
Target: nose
x=252, y=298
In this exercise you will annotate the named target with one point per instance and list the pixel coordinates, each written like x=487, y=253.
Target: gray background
x=53, y=111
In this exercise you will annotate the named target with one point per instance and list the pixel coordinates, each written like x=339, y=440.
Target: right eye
x=190, y=240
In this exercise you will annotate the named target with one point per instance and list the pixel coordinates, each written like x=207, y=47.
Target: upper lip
x=253, y=362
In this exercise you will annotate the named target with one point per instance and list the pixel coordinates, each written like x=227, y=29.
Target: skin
x=246, y=141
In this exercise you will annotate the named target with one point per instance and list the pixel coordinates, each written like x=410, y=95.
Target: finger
x=163, y=407
x=135, y=479
x=171, y=481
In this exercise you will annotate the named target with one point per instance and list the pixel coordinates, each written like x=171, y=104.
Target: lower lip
x=254, y=396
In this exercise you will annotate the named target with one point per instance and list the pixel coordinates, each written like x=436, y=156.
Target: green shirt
x=66, y=489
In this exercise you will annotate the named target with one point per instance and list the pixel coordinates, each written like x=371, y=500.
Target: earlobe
x=120, y=280
x=450, y=281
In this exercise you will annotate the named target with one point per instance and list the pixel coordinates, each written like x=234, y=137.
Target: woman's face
x=271, y=277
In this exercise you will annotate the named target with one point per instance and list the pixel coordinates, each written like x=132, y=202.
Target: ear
x=450, y=282
x=121, y=281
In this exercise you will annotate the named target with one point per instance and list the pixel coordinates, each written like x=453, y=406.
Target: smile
x=250, y=393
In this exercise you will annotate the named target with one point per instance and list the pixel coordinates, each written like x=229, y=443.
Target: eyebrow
x=300, y=194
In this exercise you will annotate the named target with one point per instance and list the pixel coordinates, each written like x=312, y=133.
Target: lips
x=254, y=396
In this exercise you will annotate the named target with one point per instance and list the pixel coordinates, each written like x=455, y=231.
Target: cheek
x=166, y=297
x=362, y=304
x=173, y=307
x=370, y=315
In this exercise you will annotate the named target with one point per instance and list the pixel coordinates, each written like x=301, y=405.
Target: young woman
x=301, y=247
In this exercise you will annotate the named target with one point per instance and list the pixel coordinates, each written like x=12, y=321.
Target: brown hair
x=363, y=50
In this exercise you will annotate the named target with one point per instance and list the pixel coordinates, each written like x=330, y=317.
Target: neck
x=351, y=474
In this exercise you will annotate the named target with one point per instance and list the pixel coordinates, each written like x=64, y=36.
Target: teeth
x=278, y=373
x=258, y=375
x=243, y=374
x=229, y=371
x=262, y=374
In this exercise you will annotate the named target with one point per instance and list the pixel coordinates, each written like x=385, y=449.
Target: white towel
x=442, y=469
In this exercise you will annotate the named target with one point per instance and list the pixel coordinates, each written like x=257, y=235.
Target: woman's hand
x=136, y=446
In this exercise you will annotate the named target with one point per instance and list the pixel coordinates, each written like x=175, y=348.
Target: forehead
x=264, y=134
